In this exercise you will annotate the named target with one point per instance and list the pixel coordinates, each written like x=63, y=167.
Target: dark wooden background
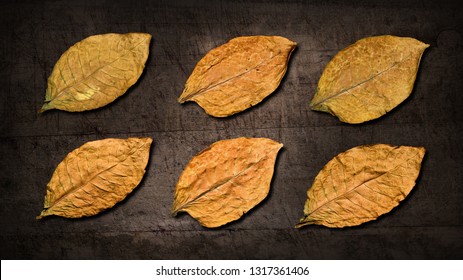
x=427, y=225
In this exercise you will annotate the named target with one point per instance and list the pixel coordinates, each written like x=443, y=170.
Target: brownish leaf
x=369, y=78
x=238, y=74
x=96, y=176
x=361, y=184
x=226, y=180
x=96, y=71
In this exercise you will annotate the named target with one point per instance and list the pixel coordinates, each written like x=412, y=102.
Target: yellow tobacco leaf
x=238, y=74
x=96, y=71
x=361, y=184
x=96, y=176
x=369, y=78
x=226, y=180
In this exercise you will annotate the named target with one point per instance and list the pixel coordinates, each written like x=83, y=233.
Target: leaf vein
x=347, y=90
x=96, y=70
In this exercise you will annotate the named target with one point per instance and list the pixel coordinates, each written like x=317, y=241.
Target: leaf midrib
x=353, y=189
x=202, y=91
x=81, y=186
x=345, y=91
x=218, y=185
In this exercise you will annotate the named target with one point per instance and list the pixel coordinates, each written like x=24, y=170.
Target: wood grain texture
x=428, y=226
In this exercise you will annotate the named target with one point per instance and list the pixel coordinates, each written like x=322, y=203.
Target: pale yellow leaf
x=369, y=78
x=96, y=176
x=96, y=71
x=238, y=74
x=226, y=180
x=361, y=184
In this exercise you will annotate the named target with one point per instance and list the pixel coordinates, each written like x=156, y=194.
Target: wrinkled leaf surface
x=238, y=74
x=369, y=78
x=361, y=184
x=96, y=71
x=226, y=180
x=96, y=176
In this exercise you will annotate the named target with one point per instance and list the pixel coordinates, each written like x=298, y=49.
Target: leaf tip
x=42, y=214
x=304, y=222
x=314, y=104
x=301, y=224
x=143, y=35
x=147, y=140
x=422, y=151
x=148, y=36
x=175, y=209
x=424, y=45
x=141, y=140
x=279, y=146
x=45, y=107
x=320, y=106
x=184, y=96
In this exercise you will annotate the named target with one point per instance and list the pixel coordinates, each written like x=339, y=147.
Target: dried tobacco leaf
x=96, y=176
x=361, y=184
x=96, y=71
x=226, y=180
x=238, y=74
x=369, y=78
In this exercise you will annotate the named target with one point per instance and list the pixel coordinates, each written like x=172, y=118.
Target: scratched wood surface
x=427, y=225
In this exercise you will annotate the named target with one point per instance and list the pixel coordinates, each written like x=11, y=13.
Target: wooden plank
x=428, y=224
